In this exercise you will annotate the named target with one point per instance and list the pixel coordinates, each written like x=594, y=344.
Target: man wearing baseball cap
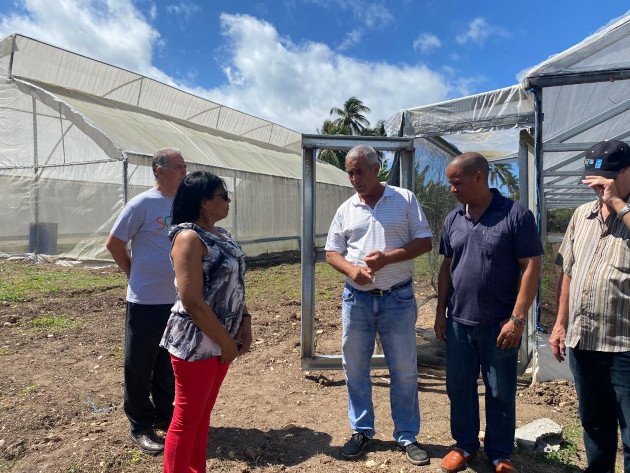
x=593, y=322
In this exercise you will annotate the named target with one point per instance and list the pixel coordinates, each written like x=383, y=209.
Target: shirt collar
x=594, y=208
x=495, y=203
x=356, y=201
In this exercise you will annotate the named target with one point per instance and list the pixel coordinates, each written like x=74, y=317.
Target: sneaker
x=147, y=441
x=415, y=454
x=355, y=446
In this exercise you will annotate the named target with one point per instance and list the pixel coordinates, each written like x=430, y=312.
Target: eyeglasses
x=225, y=195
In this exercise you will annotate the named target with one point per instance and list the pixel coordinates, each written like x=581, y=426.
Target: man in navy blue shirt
x=487, y=282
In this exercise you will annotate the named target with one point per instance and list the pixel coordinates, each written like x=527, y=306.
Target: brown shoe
x=456, y=460
x=505, y=466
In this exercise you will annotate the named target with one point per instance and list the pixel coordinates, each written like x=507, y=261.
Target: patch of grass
x=29, y=390
x=572, y=437
x=22, y=282
x=74, y=469
x=132, y=457
x=53, y=323
x=422, y=265
x=281, y=282
x=5, y=351
x=284, y=282
x=117, y=351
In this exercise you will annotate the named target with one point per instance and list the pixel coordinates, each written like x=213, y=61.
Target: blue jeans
x=467, y=350
x=393, y=316
x=602, y=382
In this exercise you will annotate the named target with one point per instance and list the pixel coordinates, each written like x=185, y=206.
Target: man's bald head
x=470, y=163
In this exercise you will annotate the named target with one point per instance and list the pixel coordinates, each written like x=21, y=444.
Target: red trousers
x=197, y=385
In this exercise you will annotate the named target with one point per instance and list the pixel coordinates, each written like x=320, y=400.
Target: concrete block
x=532, y=434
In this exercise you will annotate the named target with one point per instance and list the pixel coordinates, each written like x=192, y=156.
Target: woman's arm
x=187, y=252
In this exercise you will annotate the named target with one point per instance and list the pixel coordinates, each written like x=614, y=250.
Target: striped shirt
x=395, y=220
x=596, y=255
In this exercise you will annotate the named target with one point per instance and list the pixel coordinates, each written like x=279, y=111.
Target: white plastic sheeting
x=509, y=107
x=576, y=115
x=76, y=137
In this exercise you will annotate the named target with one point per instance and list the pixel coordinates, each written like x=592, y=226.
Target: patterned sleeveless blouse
x=223, y=290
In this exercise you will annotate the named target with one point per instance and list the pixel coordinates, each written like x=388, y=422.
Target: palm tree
x=378, y=130
x=501, y=174
x=351, y=116
x=336, y=158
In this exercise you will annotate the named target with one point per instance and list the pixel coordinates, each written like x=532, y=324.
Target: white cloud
x=114, y=31
x=352, y=37
x=479, y=30
x=184, y=9
x=266, y=75
x=153, y=13
x=296, y=85
x=426, y=42
x=372, y=13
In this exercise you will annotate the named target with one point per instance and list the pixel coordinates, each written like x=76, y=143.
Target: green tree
x=351, y=116
x=501, y=175
x=335, y=157
x=558, y=220
x=436, y=201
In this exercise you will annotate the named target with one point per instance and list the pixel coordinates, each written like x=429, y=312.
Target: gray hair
x=160, y=158
x=364, y=150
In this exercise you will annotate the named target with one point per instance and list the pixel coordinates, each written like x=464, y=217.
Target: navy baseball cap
x=606, y=159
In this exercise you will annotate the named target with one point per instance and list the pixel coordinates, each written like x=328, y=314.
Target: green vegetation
x=283, y=282
x=351, y=121
x=549, y=277
x=558, y=220
x=21, y=283
x=572, y=438
x=28, y=390
x=53, y=323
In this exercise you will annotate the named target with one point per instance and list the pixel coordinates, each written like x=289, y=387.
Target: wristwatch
x=623, y=212
x=518, y=322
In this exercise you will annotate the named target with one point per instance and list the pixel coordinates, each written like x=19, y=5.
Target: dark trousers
x=149, y=380
x=469, y=350
x=602, y=382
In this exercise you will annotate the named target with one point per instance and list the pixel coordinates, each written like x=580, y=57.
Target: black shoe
x=355, y=446
x=415, y=454
x=147, y=441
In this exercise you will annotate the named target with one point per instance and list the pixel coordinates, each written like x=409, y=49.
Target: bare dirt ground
x=61, y=396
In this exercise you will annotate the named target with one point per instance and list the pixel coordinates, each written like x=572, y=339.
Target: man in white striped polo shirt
x=594, y=305
x=373, y=240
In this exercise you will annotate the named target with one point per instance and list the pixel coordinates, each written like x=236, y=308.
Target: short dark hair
x=470, y=163
x=195, y=187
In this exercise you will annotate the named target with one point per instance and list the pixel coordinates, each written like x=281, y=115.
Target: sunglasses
x=225, y=195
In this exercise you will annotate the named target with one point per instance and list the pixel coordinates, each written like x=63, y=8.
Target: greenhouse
x=544, y=125
x=77, y=137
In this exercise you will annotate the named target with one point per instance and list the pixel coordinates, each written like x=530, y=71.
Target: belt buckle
x=378, y=292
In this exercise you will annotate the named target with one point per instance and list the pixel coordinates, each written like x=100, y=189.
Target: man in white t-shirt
x=373, y=239
x=149, y=381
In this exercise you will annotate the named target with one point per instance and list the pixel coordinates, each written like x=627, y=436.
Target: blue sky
x=290, y=61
